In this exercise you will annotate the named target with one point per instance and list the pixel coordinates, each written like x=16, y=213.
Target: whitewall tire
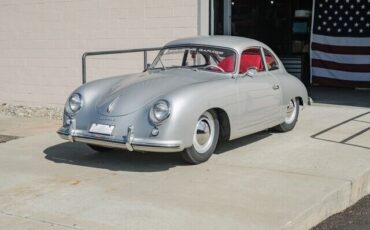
x=291, y=116
x=205, y=138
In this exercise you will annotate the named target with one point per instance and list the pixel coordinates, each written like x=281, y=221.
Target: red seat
x=269, y=59
x=227, y=64
x=250, y=60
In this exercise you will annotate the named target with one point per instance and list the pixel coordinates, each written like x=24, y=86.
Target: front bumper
x=128, y=142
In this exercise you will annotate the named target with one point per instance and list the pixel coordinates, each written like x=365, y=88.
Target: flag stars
x=344, y=17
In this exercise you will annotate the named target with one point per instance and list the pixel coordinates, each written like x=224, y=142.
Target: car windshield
x=220, y=60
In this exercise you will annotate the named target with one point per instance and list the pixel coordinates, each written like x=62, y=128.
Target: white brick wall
x=41, y=41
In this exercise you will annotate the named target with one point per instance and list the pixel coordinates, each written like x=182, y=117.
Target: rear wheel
x=291, y=117
x=205, y=139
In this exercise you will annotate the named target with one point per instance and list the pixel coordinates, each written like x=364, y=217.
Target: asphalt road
x=356, y=217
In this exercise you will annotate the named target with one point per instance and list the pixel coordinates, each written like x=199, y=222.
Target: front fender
x=189, y=103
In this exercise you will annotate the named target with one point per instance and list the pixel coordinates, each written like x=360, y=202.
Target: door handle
x=275, y=87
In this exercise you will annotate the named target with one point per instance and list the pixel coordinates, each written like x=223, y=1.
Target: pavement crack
x=40, y=221
x=291, y=172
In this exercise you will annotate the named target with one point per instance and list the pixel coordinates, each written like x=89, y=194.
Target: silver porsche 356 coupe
x=197, y=92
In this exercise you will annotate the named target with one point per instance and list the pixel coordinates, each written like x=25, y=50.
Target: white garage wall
x=41, y=41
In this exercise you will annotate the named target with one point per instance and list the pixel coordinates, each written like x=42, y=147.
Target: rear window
x=271, y=62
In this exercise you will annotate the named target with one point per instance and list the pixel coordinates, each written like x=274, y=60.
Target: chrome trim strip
x=137, y=144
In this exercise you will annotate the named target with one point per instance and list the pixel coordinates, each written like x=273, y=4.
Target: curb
x=338, y=200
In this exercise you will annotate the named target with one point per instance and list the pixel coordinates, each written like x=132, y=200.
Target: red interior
x=250, y=60
x=269, y=59
x=247, y=60
x=227, y=64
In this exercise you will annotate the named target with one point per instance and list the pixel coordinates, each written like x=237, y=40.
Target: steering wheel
x=215, y=67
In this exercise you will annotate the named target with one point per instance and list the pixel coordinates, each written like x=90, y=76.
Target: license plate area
x=101, y=129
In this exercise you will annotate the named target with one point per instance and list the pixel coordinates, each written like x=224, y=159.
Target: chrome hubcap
x=203, y=132
x=290, y=109
x=291, y=112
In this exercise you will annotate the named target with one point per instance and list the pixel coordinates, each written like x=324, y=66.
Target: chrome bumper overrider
x=128, y=142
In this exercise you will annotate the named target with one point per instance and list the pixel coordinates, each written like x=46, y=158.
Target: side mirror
x=251, y=71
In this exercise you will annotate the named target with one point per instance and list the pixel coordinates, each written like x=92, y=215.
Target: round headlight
x=75, y=102
x=160, y=111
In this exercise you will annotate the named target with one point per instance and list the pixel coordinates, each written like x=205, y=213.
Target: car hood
x=135, y=91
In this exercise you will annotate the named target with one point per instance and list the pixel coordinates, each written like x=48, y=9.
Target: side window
x=271, y=62
x=251, y=58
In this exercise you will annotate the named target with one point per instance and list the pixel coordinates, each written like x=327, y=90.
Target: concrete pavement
x=22, y=126
x=263, y=181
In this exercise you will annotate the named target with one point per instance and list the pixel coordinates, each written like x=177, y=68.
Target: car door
x=258, y=93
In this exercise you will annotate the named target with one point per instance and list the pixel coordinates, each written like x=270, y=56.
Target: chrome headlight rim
x=77, y=99
x=154, y=118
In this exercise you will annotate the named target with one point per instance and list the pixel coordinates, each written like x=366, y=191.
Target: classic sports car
x=197, y=92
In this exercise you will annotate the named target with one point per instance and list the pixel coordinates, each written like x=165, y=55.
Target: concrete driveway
x=264, y=181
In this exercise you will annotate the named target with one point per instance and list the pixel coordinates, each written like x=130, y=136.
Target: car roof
x=234, y=42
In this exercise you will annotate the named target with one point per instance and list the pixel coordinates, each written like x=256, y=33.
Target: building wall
x=41, y=41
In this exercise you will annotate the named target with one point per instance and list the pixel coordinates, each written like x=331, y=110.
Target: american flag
x=340, y=43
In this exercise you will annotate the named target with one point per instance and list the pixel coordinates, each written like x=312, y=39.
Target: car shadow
x=114, y=160
x=226, y=146
x=122, y=160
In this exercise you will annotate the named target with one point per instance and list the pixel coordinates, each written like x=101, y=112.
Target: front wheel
x=291, y=117
x=205, y=139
